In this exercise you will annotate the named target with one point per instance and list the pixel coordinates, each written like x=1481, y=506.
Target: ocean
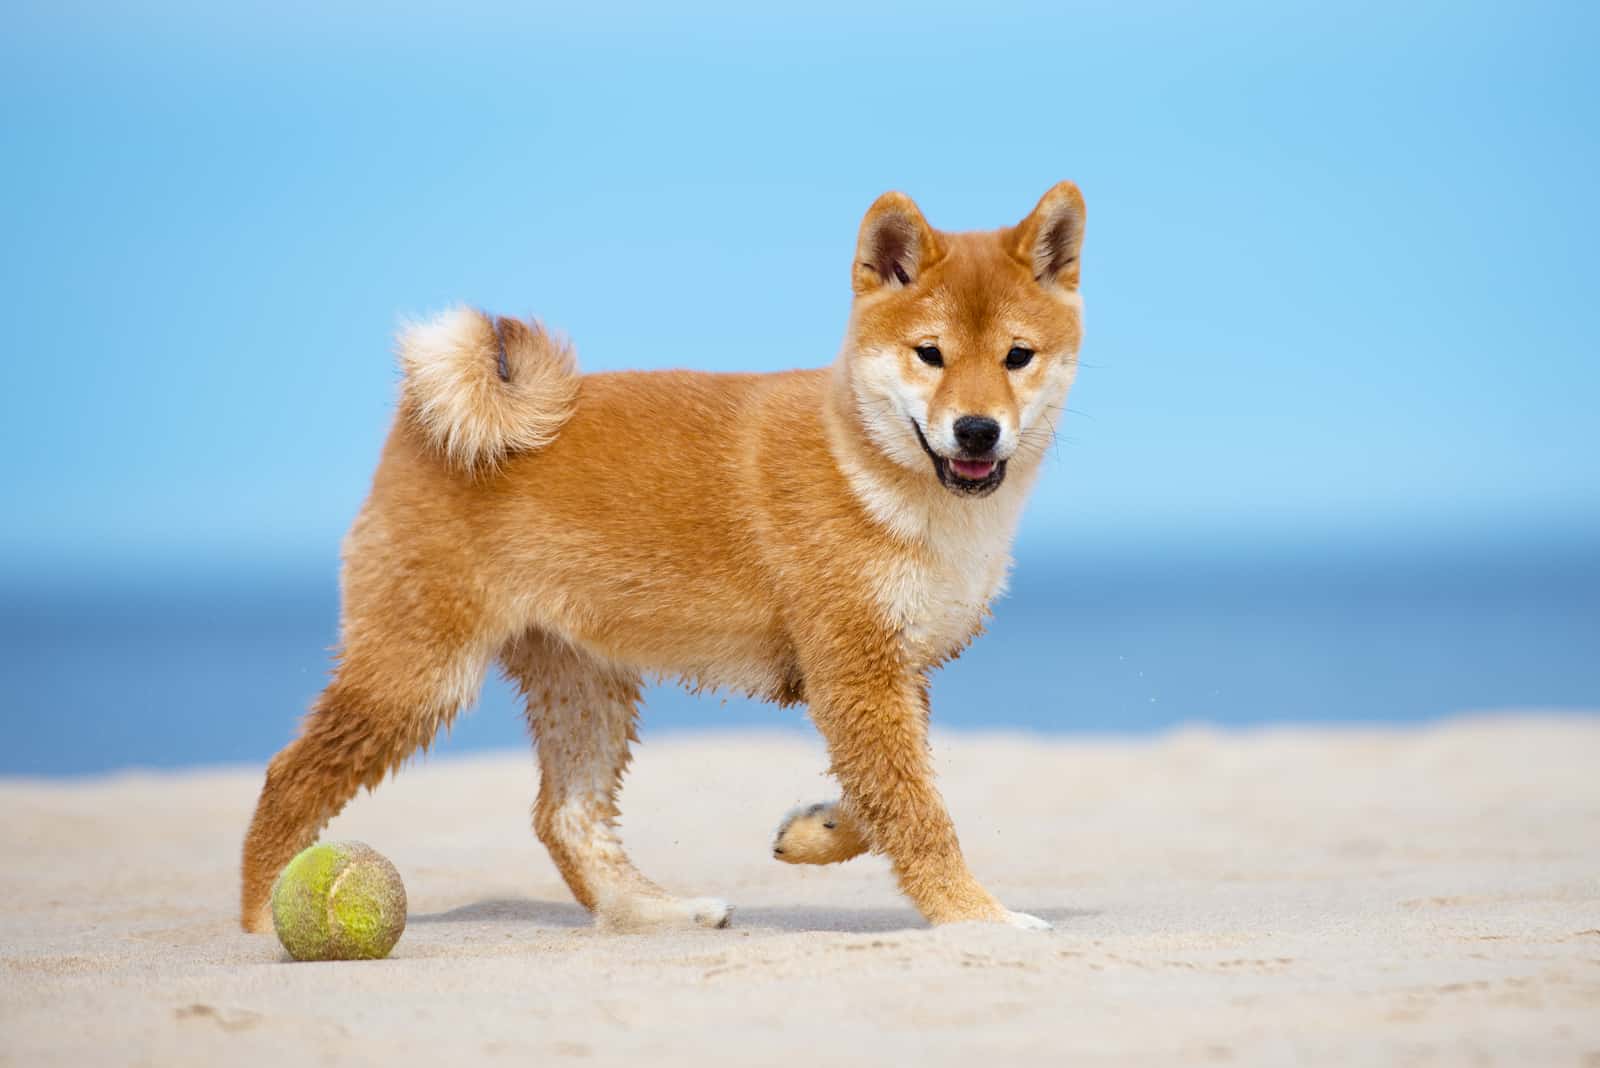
x=212, y=665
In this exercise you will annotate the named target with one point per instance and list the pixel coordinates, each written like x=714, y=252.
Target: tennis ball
x=339, y=901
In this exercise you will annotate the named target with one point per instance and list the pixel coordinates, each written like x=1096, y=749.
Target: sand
x=1350, y=896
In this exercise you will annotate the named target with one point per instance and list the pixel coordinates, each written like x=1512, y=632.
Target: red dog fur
x=822, y=536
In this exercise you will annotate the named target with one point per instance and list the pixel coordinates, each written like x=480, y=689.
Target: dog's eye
x=930, y=355
x=1018, y=358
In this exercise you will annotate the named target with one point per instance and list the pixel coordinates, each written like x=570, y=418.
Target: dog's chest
x=938, y=595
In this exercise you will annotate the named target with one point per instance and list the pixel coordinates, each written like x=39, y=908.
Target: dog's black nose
x=976, y=434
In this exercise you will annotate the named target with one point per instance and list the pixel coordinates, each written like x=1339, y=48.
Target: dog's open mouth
x=973, y=470
x=971, y=478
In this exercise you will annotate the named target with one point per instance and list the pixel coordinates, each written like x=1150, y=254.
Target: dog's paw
x=818, y=834
x=641, y=912
x=1026, y=922
x=709, y=912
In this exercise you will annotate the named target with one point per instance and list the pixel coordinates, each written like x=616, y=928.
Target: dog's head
x=962, y=346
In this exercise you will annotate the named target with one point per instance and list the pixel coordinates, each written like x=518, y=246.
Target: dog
x=825, y=537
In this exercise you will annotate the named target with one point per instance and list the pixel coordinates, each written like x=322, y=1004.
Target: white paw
x=1026, y=922
x=709, y=911
x=638, y=912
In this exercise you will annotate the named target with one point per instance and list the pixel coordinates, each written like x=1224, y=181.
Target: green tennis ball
x=339, y=901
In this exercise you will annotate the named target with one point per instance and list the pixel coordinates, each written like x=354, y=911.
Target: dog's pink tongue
x=972, y=469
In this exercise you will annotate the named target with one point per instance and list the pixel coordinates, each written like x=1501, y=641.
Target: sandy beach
x=1320, y=896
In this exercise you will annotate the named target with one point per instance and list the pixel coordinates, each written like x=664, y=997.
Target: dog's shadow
x=511, y=910
x=796, y=918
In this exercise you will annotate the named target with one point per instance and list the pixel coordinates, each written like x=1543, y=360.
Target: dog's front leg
x=874, y=715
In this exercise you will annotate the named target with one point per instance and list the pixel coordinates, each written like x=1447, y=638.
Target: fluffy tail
x=480, y=387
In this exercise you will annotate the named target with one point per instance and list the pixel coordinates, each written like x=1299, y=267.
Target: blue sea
x=216, y=664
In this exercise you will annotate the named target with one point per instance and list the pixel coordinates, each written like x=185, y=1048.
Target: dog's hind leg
x=407, y=666
x=582, y=713
x=824, y=833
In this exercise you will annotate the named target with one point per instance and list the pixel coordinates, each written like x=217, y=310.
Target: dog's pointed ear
x=895, y=245
x=1049, y=239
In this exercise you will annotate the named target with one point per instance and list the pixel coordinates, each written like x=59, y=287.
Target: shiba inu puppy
x=824, y=536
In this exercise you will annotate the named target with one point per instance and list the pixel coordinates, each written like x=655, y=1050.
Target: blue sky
x=1340, y=265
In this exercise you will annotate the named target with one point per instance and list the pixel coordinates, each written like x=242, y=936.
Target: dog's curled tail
x=481, y=387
